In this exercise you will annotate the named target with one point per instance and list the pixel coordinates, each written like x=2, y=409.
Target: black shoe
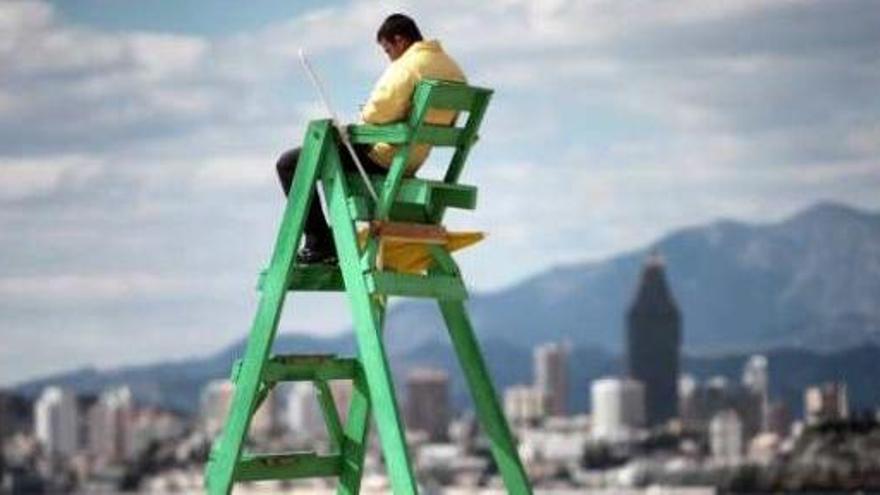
x=312, y=255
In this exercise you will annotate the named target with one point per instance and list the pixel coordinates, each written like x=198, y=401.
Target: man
x=412, y=59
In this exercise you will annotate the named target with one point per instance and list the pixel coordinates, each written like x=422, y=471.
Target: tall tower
x=654, y=342
x=551, y=376
x=110, y=425
x=427, y=402
x=755, y=379
x=55, y=421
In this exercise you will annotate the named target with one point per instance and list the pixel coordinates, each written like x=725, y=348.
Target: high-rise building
x=726, y=436
x=700, y=402
x=778, y=418
x=56, y=421
x=110, y=422
x=618, y=407
x=755, y=374
x=551, y=376
x=755, y=378
x=427, y=402
x=524, y=405
x=653, y=342
x=16, y=415
x=826, y=402
x=150, y=425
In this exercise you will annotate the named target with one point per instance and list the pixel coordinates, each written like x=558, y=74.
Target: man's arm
x=390, y=99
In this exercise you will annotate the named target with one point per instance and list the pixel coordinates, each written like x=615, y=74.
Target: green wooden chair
x=409, y=209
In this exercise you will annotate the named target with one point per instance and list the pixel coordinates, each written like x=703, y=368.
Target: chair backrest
x=429, y=96
x=452, y=96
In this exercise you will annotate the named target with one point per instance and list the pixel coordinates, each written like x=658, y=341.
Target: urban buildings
x=16, y=415
x=618, y=408
x=700, y=402
x=653, y=342
x=110, y=422
x=826, y=402
x=551, y=376
x=427, y=402
x=726, y=436
x=730, y=427
x=56, y=421
x=756, y=379
x=524, y=405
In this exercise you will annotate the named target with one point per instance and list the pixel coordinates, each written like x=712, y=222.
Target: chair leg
x=357, y=429
x=354, y=446
x=366, y=312
x=483, y=392
x=225, y=455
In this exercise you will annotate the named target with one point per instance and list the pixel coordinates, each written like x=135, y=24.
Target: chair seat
x=416, y=200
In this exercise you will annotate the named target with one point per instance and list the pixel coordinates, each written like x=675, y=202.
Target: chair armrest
x=369, y=133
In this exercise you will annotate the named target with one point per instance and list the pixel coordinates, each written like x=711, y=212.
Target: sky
x=138, y=197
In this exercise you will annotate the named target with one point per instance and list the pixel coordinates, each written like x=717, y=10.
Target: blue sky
x=137, y=144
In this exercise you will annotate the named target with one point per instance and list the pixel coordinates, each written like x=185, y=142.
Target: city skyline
x=733, y=435
x=742, y=424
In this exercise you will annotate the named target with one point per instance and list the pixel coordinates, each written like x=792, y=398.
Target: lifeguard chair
x=405, y=215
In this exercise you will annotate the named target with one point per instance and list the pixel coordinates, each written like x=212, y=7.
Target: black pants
x=317, y=232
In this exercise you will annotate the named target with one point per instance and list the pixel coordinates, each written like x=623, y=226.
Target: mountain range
x=812, y=280
x=804, y=291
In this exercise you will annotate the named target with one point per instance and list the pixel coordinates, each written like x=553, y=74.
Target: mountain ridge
x=808, y=282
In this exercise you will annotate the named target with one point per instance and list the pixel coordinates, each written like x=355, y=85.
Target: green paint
x=368, y=289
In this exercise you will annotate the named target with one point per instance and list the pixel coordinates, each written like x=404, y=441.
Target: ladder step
x=287, y=466
x=317, y=278
x=431, y=286
x=311, y=278
x=309, y=367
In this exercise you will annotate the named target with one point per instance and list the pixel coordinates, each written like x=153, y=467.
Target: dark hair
x=399, y=25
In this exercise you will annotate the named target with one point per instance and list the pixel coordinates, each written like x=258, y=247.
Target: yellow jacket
x=391, y=98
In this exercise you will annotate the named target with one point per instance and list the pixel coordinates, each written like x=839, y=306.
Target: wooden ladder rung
x=309, y=367
x=409, y=232
x=287, y=466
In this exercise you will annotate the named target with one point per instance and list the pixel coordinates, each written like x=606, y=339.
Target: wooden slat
x=287, y=466
x=438, y=135
x=368, y=133
x=452, y=96
x=316, y=278
x=306, y=367
x=471, y=129
x=409, y=232
x=422, y=192
x=442, y=287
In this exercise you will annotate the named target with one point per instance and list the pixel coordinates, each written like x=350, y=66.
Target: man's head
x=396, y=34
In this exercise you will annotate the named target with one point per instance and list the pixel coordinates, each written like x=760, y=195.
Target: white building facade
x=618, y=408
x=56, y=421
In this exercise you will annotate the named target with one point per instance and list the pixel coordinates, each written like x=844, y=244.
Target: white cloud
x=235, y=172
x=77, y=288
x=142, y=164
x=24, y=177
